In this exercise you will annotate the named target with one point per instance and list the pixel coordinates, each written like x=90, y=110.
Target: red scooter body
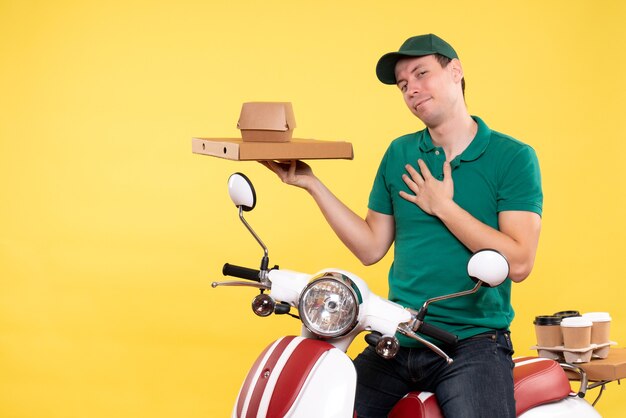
x=291, y=379
x=298, y=377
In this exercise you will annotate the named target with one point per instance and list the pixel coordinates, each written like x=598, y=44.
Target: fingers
x=413, y=180
x=270, y=164
x=447, y=171
x=411, y=184
x=409, y=197
x=417, y=178
x=292, y=168
x=277, y=168
x=425, y=174
x=425, y=190
x=424, y=169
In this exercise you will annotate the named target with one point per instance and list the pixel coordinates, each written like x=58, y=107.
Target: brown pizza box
x=296, y=149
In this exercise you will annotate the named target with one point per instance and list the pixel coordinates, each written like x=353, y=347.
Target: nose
x=413, y=87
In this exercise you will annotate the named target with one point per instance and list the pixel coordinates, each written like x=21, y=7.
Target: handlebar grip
x=373, y=337
x=241, y=272
x=438, y=333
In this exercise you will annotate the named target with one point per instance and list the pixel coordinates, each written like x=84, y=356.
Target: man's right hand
x=294, y=172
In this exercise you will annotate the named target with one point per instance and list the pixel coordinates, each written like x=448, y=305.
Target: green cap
x=417, y=46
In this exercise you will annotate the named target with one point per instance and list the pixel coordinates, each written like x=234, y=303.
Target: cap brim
x=386, y=67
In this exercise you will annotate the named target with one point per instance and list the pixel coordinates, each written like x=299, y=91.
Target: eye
x=402, y=87
x=421, y=74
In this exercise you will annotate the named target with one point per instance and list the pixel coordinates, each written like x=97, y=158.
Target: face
x=430, y=91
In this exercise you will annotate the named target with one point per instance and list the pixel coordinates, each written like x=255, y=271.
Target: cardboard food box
x=613, y=367
x=296, y=149
x=266, y=121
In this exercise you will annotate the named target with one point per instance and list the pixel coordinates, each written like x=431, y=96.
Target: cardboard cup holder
x=572, y=337
x=575, y=355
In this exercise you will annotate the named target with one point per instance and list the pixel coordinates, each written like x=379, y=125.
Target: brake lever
x=241, y=284
x=406, y=330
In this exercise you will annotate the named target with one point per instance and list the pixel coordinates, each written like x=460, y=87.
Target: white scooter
x=312, y=376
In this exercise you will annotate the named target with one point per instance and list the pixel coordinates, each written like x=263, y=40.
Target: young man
x=441, y=194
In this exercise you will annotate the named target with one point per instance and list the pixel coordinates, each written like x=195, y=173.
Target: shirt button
x=437, y=152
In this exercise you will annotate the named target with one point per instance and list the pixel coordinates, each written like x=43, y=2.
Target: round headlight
x=329, y=305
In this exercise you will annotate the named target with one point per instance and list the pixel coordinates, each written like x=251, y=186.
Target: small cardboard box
x=613, y=367
x=266, y=121
x=296, y=149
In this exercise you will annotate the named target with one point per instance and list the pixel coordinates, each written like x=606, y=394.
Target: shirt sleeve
x=520, y=187
x=380, y=197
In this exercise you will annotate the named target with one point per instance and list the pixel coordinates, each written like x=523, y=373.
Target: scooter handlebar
x=438, y=333
x=241, y=272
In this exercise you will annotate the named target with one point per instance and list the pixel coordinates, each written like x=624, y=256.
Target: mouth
x=420, y=103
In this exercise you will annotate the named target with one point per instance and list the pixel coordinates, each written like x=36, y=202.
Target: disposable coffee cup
x=548, y=331
x=576, y=332
x=601, y=327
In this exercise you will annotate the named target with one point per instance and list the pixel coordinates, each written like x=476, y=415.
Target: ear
x=456, y=69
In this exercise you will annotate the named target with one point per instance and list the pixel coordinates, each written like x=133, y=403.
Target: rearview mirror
x=241, y=191
x=489, y=267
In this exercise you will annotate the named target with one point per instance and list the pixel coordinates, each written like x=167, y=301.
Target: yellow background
x=111, y=230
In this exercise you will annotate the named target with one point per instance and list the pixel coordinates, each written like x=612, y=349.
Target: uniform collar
x=474, y=150
x=477, y=147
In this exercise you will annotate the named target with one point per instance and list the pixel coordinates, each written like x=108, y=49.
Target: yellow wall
x=111, y=230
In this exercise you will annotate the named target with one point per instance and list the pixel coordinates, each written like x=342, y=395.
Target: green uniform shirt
x=495, y=173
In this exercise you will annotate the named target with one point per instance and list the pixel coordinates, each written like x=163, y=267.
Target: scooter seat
x=537, y=381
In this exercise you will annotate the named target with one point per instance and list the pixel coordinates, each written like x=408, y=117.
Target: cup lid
x=576, y=322
x=597, y=316
x=543, y=320
x=565, y=314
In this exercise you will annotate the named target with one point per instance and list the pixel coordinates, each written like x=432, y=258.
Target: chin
x=429, y=119
x=425, y=118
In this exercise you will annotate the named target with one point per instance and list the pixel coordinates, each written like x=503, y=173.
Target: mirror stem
x=454, y=295
x=265, y=252
x=265, y=261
